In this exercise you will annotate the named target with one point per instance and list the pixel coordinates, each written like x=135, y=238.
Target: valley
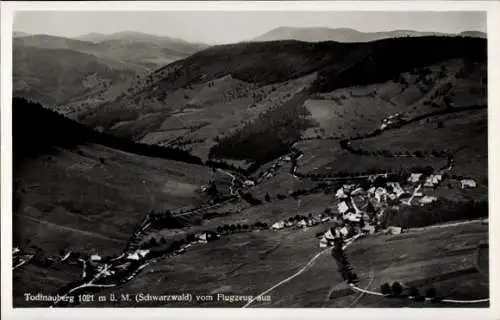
x=222, y=172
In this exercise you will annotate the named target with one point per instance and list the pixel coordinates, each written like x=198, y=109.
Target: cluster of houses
x=300, y=221
x=269, y=173
x=391, y=121
x=362, y=210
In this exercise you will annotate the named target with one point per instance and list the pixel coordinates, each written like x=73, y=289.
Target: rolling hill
x=61, y=76
x=299, y=119
x=347, y=35
x=74, y=184
x=73, y=75
x=223, y=101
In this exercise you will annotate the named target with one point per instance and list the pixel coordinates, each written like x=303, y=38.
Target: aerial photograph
x=250, y=159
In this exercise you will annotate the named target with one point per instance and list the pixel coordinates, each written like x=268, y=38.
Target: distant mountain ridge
x=132, y=36
x=244, y=101
x=348, y=35
x=16, y=34
x=56, y=70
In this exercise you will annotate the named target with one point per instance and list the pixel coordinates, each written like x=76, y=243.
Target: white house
x=469, y=183
x=95, y=257
x=398, y=191
x=278, y=225
x=344, y=231
x=327, y=238
x=394, y=230
x=15, y=250
x=202, y=238
x=142, y=253
x=353, y=217
x=433, y=180
x=348, y=187
x=286, y=158
x=249, y=183
x=342, y=207
x=380, y=194
x=340, y=194
x=312, y=222
x=289, y=224
x=427, y=199
x=414, y=177
x=133, y=256
x=302, y=223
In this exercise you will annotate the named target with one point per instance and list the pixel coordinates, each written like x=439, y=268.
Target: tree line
x=39, y=130
x=439, y=211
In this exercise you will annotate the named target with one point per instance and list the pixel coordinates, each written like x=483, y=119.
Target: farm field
x=464, y=134
x=36, y=278
x=250, y=263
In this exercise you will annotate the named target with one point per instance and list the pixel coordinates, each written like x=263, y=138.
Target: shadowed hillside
x=71, y=75
x=212, y=98
x=78, y=189
x=56, y=131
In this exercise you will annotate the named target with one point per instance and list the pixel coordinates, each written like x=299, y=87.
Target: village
x=357, y=211
x=361, y=210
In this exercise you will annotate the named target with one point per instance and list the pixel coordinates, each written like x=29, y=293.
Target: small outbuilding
x=468, y=183
x=414, y=177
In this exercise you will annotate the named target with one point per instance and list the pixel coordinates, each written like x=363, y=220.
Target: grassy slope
x=73, y=201
x=349, y=111
x=248, y=264
x=198, y=88
x=464, y=134
x=73, y=192
x=33, y=278
x=75, y=76
x=433, y=252
x=56, y=76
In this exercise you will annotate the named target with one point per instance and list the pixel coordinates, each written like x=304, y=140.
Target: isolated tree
x=413, y=292
x=190, y=238
x=385, y=289
x=175, y=245
x=396, y=289
x=280, y=196
x=418, y=154
x=431, y=293
x=267, y=197
x=152, y=242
